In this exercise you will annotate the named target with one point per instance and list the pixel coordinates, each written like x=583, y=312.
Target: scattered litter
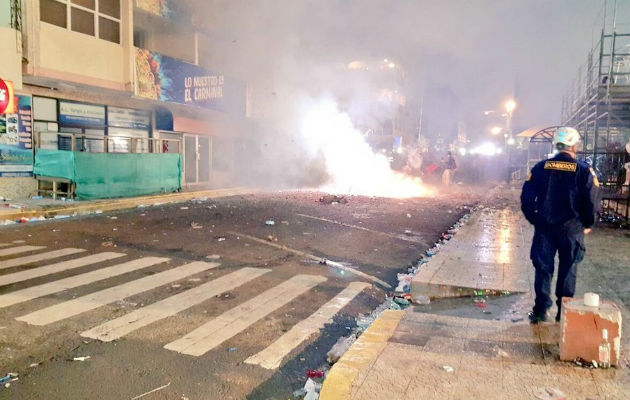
x=141, y=206
x=333, y=199
x=143, y=215
x=311, y=373
x=22, y=220
x=176, y=285
x=231, y=349
x=62, y=216
x=408, y=232
x=401, y=301
x=284, y=222
x=151, y=391
x=98, y=212
x=113, y=217
x=447, y=368
x=272, y=238
x=213, y=257
x=183, y=208
x=10, y=377
x=108, y=243
x=220, y=239
x=298, y=394
x=338, y=350
x=311, y=388
x=408, y=215
x=82, y=358
x=270, y=222
x=323, y=261
x=422, y=299
x=7, y=222
x=517, y=319
x=195, y=225
x=502, y=353
x=549, y=394
x=33, y=365
x=194, y=279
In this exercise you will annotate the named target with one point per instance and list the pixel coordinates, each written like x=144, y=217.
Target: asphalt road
x=204, y=296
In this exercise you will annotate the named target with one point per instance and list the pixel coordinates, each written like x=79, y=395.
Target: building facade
x=115, y=76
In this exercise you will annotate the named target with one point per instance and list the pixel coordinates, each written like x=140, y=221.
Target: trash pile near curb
x=401, y=297
x=398, y=300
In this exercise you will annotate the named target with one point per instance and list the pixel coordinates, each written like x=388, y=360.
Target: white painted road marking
x=230, y=323
x=19, y=249
x=362, y=228
x=313, y=257
x=34, y=292
x=91, y=301
x=49, y=255
x=170, y=306
x=271, y=357
x=57, y=267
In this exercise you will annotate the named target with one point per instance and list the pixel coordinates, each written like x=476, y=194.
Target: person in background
x=450, y=165
x=560, y=197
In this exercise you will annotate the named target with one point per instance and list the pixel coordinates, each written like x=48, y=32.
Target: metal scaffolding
x=598, y=102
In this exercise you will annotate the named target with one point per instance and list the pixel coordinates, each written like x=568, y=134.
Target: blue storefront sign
x=81, y=114
x=16, y=140
x=165, y=78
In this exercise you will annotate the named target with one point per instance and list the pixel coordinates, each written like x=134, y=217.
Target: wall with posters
x=16, y=140
x=16, y=151
x=164, y=78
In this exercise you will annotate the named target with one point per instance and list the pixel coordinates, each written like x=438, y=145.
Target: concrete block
x=581, y=329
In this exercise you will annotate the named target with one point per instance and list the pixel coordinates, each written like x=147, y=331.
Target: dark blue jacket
x=561, y=191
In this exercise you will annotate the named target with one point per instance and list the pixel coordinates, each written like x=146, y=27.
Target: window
x=53, y=12
x=99, y=18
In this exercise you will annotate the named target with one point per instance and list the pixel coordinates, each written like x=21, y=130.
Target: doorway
x=197, y=159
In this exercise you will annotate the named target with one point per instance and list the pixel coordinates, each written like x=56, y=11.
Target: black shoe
x=535, y=318
x=558, y=316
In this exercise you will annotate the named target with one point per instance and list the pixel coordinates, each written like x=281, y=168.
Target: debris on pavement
x=447, y=368
x=151, y=391
x=312, y=389
x=338, y=350
x=195, y=225
x=311, y=373
x=220, y=239
x=8, y=378
x=333, y=199
x=231, y=349
x=272, y=238
x=550, y=394
x=270, y=222
x=82, y=358
x=183, y=208
x=108, y=243
x=213, y=257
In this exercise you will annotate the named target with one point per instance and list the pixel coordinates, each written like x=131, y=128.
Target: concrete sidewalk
x=49, y=208
x=413, y=354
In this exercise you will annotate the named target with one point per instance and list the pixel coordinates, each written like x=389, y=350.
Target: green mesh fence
x=109, y=175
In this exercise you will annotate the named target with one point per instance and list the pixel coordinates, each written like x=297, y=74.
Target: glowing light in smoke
x=350, y=162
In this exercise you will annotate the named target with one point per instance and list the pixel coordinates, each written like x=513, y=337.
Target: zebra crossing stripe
x=116, y=328
x=34, y=292
x=49, y=255
x=57, y=267
x=91, y=301
x=19, y=249
x=234, y=321
x=271, y=357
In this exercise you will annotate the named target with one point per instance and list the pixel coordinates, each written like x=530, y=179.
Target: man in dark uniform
x=561, y=199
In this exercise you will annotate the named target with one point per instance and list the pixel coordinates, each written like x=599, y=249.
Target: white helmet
x=566, y=135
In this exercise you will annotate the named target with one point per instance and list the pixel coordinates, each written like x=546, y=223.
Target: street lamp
x=496, y=130
x=510, y=105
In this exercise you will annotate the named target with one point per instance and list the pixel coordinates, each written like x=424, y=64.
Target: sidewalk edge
x=126, y=203
x=361, y=354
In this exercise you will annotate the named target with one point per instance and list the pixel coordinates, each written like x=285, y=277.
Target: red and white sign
x=7, y=99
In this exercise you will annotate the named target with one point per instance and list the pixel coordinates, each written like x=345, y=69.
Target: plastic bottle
x=604, y=350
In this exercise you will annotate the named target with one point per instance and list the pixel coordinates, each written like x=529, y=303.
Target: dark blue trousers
x=570, y=249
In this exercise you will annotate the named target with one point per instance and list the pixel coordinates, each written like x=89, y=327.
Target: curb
x=123, y=204
x=360, y=355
